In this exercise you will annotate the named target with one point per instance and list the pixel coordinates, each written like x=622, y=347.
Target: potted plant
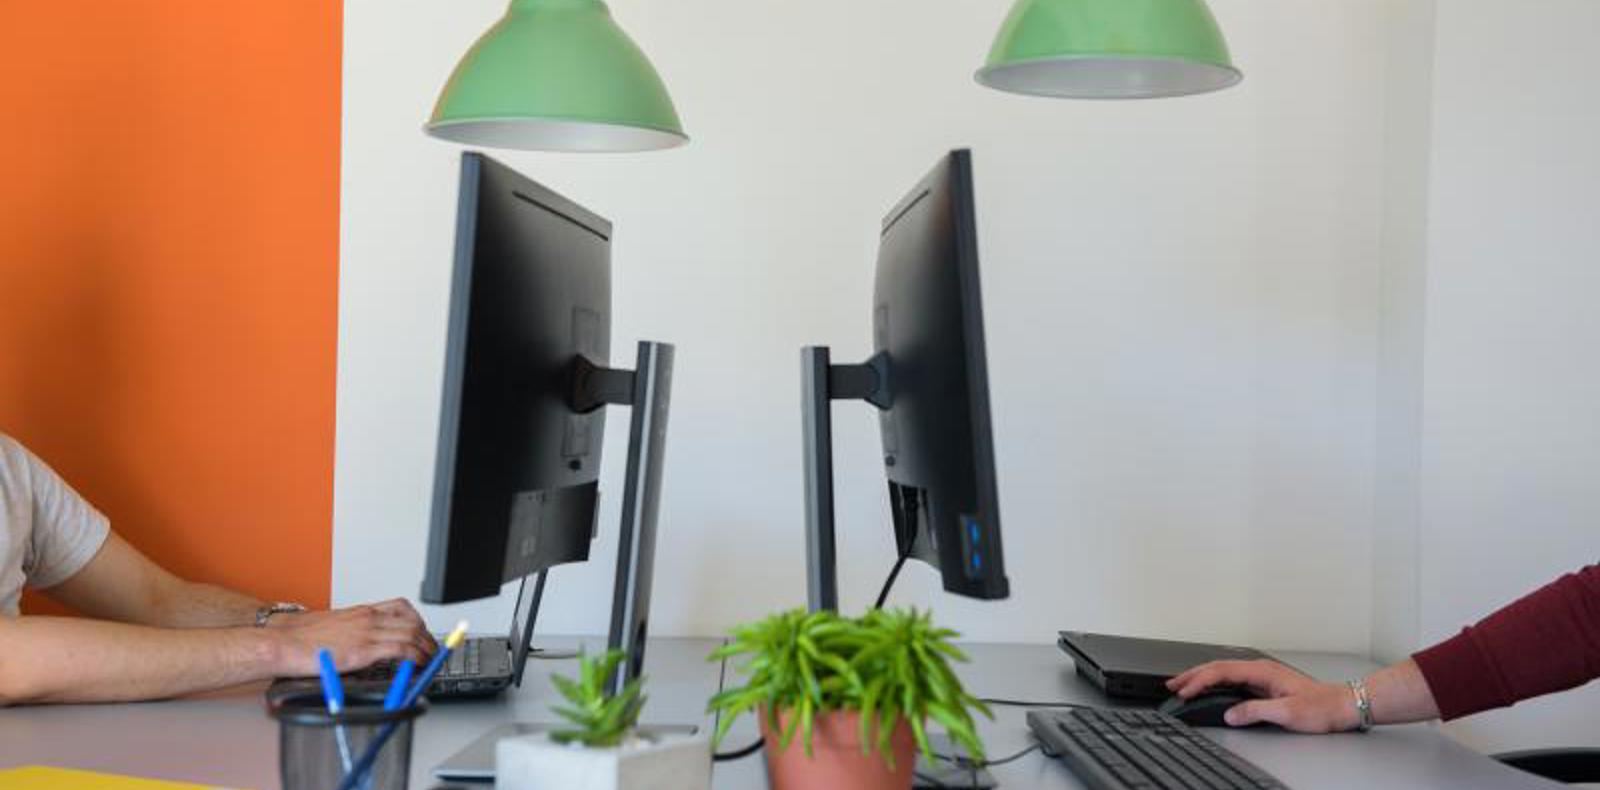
x=844, y=703
x=600, y=747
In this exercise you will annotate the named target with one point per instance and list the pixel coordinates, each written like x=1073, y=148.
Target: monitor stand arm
x=647, y=389
x=593, y=387
x=821, y=383
x=649, y=392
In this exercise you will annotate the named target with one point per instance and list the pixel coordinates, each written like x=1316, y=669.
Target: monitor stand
x=647, y=389
x=821, y=383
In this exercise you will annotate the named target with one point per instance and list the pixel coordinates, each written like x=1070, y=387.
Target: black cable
x=1020, y=703
x=894, y=573
x=964, y=761
x=740, y=754
x=971, y=766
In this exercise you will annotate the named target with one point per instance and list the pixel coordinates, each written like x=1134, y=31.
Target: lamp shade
x=557, y=75
x=1109, y=49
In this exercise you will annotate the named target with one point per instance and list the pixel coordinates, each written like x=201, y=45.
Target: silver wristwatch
x=265, y=613
x=1358, y=688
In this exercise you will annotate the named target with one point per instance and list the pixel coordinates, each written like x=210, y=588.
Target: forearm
x=189, y=605
x=122, y=584
x=44, y=660
x=1400, y=694
x=1546, y=641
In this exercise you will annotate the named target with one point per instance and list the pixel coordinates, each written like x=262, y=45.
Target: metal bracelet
x=265, y=613
x=1363, y=704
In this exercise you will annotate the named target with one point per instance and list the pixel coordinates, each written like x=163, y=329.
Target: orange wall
x=168, y=273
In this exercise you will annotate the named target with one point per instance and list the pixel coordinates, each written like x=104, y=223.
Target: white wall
x=1408, y=138
x=1487, y=426
x=1511, y=435
x=1182, y=306
x=1217, y=415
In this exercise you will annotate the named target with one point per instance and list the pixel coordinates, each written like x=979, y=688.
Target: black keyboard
x=1142, y=750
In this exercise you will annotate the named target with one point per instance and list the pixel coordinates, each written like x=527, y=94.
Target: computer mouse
x=1206, y=708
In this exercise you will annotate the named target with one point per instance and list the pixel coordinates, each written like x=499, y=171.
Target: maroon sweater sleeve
x=1547, y=641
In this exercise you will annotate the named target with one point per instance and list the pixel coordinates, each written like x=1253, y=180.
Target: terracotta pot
x=836, y=761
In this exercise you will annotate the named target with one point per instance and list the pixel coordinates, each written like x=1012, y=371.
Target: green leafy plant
x=598, y=719
x=887, y=665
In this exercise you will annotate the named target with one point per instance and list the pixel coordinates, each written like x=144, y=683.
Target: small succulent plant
x=597, y=719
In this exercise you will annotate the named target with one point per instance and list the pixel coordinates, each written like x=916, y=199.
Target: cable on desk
x=1022, y=703
x=1011, y=758
x=972, y=766
x=738, y=754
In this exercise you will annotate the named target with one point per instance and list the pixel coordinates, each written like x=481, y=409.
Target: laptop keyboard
x=465, y=661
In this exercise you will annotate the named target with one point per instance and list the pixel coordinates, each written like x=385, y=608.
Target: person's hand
x=1289, y=699
x=358, y=637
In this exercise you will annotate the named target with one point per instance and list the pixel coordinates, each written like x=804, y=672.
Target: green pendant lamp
x=557, y=75
x=1109, y=49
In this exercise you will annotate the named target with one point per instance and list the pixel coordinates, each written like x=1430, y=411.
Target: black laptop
x=482, y=667
x=1132, y=668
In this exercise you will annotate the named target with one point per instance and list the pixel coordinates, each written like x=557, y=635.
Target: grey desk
x=225, y=739
x=1410, y=757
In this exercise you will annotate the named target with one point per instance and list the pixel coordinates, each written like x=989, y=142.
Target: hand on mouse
x=1290, y=699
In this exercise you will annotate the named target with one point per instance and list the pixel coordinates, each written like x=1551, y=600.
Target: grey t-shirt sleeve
x=67, y=530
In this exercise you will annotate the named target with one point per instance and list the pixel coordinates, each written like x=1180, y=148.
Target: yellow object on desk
x=42, y=778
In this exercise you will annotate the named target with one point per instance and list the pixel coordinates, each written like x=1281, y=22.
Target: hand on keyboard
x=358, y=636
x=465, y=661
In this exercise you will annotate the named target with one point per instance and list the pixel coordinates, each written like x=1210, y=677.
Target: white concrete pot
x=669, y=762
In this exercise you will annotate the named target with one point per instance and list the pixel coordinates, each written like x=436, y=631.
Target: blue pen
x=333, y=694
x=370, y=756
x=399, y=686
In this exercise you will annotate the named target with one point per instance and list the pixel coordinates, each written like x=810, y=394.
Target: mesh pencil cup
x=311, y=755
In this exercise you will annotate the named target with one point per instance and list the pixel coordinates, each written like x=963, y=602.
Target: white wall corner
x=1408, y=128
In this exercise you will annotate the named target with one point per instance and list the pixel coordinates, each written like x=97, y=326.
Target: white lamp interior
x=1091, y=77
x=555, y=134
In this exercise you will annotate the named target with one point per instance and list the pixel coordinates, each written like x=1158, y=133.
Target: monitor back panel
x=516, y=477
x=938, y=449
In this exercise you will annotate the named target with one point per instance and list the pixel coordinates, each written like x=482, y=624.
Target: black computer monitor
x=929, y=379
x=522, y=420
x=517, y=471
